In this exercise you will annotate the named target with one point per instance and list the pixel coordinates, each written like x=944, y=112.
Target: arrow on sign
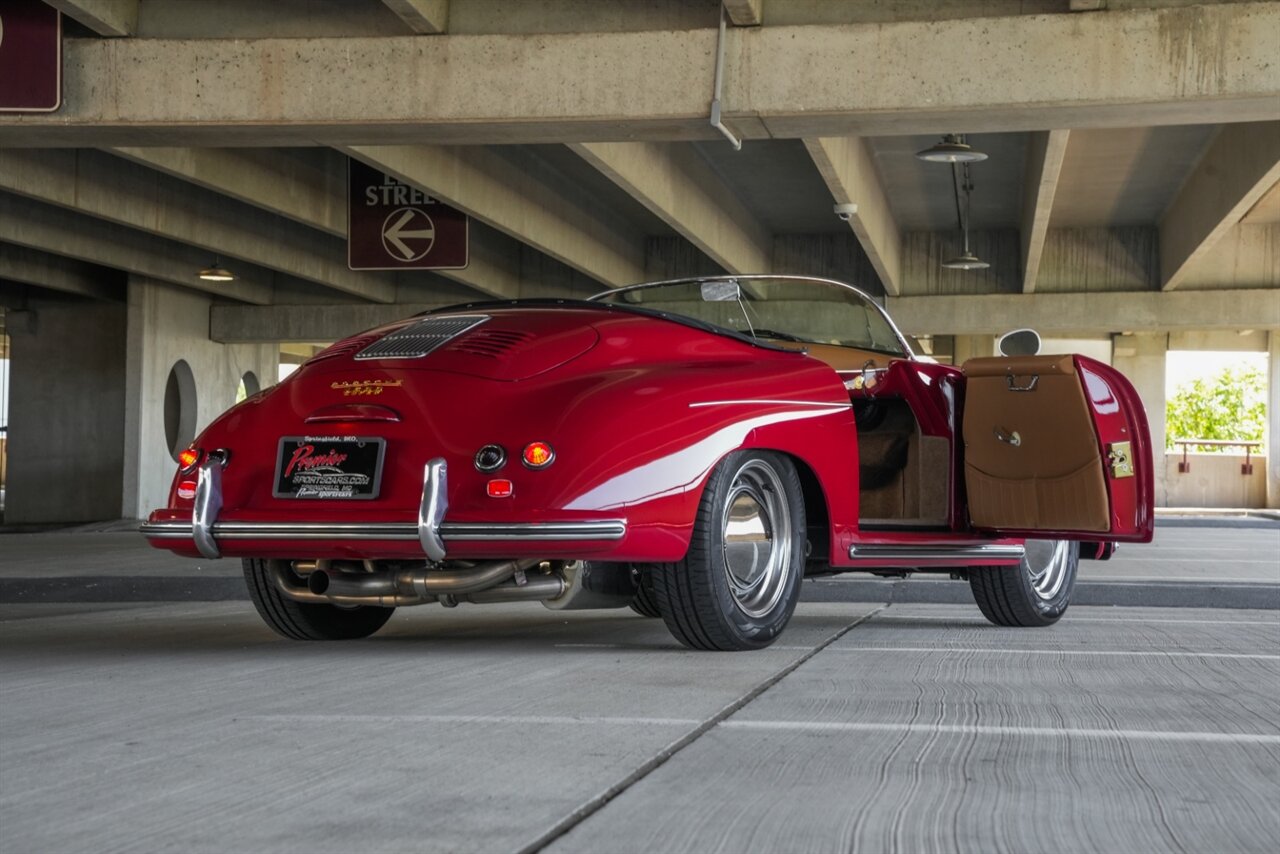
x=408, y=234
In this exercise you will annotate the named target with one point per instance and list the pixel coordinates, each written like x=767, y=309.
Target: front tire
x=1034, y=593
x=304, y=620
x=739, y=582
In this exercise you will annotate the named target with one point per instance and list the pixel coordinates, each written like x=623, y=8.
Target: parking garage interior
x=1127, y=206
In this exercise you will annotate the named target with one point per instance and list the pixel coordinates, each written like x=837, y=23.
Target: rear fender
x=659, y=492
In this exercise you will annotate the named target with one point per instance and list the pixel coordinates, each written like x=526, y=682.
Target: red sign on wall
x=392, y=226
x=30, y=57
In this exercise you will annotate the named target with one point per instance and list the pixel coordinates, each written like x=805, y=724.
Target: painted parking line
x=1023, y=651
x=1075, y=619
x=1205, y=578
x=1014, y=731
x=551, y=720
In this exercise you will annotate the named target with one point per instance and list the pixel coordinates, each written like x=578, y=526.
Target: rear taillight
x=538, y=455
x=189, y=459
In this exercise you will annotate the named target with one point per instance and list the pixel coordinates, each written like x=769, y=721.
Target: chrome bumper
x=431, y=530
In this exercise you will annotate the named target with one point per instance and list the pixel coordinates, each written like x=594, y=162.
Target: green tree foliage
x=1231, y=405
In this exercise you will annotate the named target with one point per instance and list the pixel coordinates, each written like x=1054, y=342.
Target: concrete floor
x=909, y=728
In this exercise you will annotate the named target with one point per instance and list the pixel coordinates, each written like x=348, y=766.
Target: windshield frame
x=907, y=352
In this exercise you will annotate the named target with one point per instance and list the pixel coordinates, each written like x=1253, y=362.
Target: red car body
x=638, y=408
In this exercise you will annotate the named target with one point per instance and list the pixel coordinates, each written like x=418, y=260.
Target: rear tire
x=304, y=620
x=1034, y=593
x=644, y=602
x=739, y=582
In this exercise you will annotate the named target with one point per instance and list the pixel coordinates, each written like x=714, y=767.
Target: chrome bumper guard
x=431, y=531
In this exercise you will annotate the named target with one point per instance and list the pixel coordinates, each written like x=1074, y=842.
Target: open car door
x=1056, y=447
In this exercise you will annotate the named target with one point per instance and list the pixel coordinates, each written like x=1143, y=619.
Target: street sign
x=392, y=226
x=30, y=57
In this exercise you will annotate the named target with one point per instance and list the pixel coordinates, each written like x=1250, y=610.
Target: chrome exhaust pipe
x=388, y=589
x=534, y=590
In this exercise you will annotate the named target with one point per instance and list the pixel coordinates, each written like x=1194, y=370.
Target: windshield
x=812, y=311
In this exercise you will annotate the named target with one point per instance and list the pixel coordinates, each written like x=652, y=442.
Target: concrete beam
x=307, y=186
x=57, y=231
x=310, y=187
x=850, y=172
x=32, y=267
x=1241, y=165
x=99, y=185
x=745, y=13
x=104, y=17
x=422, y=16
x=1086, y=313
x=230, y=324
x=542, y=210
x=1120, y=69
x=1095, y=313
x=1044, y=164
x=1267, y=210
x=678, y=186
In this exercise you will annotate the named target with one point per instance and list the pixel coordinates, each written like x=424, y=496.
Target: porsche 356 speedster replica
x=692, y=449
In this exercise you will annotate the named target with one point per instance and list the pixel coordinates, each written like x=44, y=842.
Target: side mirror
x=1019, y=342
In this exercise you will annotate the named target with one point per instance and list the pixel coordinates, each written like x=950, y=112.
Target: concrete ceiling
x=1125, y=176
x=921, y=193
x=576, y=135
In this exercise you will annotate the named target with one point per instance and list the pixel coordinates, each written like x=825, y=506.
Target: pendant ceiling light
x=951, y=149
x=215, y=272
x=966, y=260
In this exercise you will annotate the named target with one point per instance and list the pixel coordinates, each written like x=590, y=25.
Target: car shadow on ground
x=234, y=629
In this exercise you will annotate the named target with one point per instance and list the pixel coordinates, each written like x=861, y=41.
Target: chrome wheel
x=757, y=537
x=738, y=584
x=1047, y=563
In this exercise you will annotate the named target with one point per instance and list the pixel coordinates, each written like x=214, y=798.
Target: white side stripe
x=832, y=406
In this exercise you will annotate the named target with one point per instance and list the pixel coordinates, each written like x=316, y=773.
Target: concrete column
x=66, y=407
x=1273, y=422
x=1141, y=357
x=165, y=401
x=973, y=347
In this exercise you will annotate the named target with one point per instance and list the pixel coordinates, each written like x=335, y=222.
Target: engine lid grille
x=418, y=339
x=491, y=343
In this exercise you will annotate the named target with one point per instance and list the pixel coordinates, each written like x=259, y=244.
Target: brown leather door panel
x=1031, y=450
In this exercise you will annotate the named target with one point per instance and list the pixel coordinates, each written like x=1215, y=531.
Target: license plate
x=329, y=467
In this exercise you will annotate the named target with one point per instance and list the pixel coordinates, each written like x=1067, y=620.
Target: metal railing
x=1246, y=468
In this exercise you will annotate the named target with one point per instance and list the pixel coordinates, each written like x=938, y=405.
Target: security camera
x=846, y=212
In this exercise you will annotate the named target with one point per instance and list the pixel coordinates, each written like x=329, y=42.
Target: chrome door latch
x=1120, y=458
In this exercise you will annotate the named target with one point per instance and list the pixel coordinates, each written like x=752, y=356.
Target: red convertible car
x=690, y=448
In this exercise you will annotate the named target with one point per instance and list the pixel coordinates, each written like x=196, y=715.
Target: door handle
x=1013, y=385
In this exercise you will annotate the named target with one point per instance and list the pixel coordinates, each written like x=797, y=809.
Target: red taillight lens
x=189, y=458
x=499, y=488
x=187, y=490
x=538, y=455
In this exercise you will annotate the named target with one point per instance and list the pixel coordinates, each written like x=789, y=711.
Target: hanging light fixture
x=215, y=272
x=966, y=260
x=951, y=149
